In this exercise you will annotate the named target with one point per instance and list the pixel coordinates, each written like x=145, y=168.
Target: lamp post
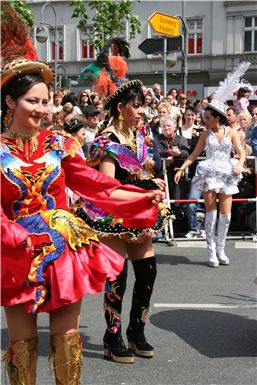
x=184, y=56
x=42, y=35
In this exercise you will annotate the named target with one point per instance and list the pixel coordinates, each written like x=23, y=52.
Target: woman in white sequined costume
x=216, y=177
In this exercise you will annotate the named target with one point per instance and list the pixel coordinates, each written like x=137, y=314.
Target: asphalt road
x=203, y=324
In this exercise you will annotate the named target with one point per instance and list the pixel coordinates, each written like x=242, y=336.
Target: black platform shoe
x=115, y=349
x=138, y=344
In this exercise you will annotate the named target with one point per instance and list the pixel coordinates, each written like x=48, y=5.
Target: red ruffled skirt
x=69, y=278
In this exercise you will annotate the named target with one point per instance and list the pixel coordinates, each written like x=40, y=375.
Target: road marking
x=191, y=244
x=245, y=245
x=202, y=244
x=203, y=306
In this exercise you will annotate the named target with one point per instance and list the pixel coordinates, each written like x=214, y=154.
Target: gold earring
x=121, y=119
x=8, y=117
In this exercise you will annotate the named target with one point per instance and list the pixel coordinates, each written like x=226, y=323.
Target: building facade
x=220, y=35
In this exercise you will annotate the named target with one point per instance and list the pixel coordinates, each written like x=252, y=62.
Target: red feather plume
x=15, y=40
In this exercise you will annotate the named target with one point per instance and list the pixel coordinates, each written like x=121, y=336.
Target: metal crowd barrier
x=169, y=231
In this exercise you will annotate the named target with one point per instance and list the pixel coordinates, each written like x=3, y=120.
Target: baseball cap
x=90, y=110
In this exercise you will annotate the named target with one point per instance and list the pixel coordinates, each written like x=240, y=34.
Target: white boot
x=210, y=227
x=222, y=230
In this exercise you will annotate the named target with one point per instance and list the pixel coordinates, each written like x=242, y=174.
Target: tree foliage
x=21, y=7
x=109, y=19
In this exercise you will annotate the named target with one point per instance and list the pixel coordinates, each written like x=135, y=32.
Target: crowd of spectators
x=175, y=124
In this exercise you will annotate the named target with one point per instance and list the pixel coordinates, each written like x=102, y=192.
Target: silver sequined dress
x=216, y=172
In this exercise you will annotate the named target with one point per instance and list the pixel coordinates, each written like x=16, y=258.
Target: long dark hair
x=126, y=96
x=214, y=113
x=17, y=88
x=242, y=91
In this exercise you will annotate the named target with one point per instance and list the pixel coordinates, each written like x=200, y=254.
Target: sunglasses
x=84, y=95
x=75, y=123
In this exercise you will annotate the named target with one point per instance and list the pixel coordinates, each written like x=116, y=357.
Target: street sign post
x=165, y=24
x=164, y=45
x=172, y=28
x=168, y=26
x=156, y=45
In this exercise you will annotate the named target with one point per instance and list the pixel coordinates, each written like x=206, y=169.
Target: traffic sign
x=165, y=24
x=156, y=45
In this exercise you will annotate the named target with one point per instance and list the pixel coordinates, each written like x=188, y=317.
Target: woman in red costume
x=50, y=258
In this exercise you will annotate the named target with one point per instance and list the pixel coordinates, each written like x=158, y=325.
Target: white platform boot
x=222, y=231
x=210, y=227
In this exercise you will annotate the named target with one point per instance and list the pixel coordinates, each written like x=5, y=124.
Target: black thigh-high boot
x=145, y=273
x=114, y=346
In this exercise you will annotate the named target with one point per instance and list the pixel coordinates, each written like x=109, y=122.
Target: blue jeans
x=192, y=208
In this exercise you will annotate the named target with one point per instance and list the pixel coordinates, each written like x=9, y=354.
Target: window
x=195, y=36
x=59, y=43
x=250, y=34
x=87, y=48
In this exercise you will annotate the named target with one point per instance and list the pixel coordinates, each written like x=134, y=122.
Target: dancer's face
x=30, y=108
x=80, y=135
x=209, y=120
x=131, y=112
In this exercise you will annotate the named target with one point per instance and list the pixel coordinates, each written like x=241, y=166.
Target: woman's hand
x=177, y=176
x=156, y=196
x=237, y=170
x=160, y=183
x=27, y=244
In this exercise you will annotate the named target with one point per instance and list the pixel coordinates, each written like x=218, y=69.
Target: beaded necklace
x=130, y=139
x=26, y=143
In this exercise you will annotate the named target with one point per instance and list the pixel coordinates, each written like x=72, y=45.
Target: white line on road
x=245, y=245
x=202, y=244
x=203, y=306
x=190, y=244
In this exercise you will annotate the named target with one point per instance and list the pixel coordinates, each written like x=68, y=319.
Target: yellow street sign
x=165, y=24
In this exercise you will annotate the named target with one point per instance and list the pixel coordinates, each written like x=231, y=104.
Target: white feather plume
x=231, y=82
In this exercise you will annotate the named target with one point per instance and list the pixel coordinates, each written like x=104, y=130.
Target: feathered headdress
x=18, y=55
x=108, y=72
x=230, y=84
x=15, y=41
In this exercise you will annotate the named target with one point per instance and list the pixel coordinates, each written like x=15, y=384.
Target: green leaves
x=20, y=7
x=79, y=10
x=110, y=18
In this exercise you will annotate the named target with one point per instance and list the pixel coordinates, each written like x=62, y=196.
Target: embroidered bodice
x=37, y=184
x=218, y=152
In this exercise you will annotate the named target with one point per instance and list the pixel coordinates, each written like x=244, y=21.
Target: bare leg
x=22, y=326
x=22, y=351
x=210, y=200
x=225, y=203
x=66, y=319
x=66, y=344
